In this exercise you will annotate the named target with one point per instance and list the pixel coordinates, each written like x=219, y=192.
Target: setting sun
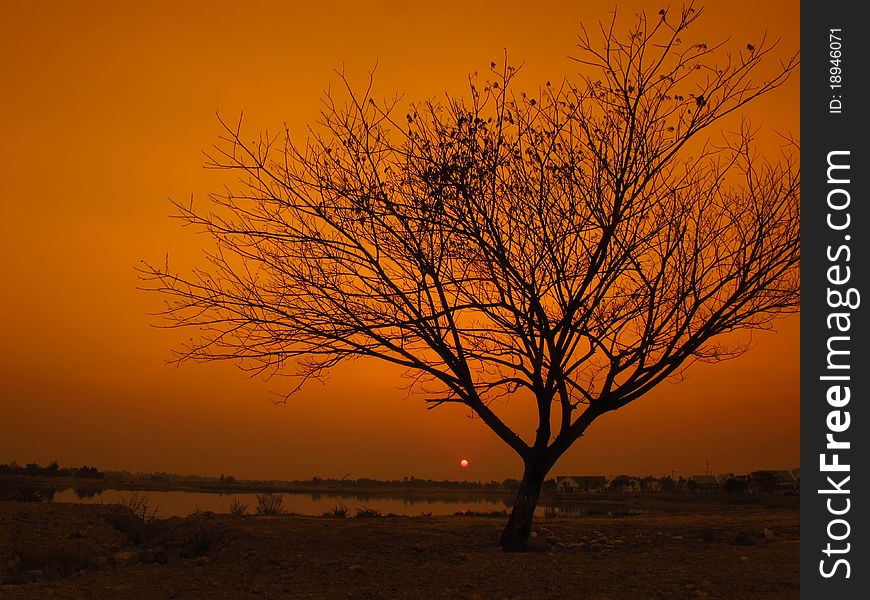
x=463, y=463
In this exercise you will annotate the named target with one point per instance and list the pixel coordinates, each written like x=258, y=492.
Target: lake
x=183, y=503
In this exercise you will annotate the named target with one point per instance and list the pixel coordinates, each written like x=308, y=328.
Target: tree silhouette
x=572, y=248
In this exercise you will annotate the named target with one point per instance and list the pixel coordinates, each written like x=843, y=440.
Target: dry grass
x=141, y=506
x=269, y=504
x=237, y=509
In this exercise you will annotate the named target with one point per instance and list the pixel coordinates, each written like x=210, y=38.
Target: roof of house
x=706, y=479
x=624, y=480
x=579, y=478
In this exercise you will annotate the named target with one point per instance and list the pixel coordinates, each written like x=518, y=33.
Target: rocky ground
x=106, y=552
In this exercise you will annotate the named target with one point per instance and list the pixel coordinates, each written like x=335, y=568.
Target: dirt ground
x=105, y=552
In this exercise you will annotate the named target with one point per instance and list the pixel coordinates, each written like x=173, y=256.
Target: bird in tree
x=573, y=250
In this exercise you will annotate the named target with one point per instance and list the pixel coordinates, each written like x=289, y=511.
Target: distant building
x=624, y=484
x=580, y=483
x=705, y=483
x=767, y=481
x=731, y=483
x=650, y=484
x=773, y=480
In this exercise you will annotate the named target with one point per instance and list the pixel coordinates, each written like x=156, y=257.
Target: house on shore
x=587, y=484
x=650, y=484
x=731, y=483
x=625, y=484
x=705, y=483
x=774, y=480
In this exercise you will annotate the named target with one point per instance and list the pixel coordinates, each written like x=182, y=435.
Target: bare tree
x=573, y=248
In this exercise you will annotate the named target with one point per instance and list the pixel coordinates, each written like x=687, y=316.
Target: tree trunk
x=515, y=537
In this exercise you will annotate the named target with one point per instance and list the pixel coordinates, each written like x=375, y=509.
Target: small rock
x=744, y=558
x=355, y=568
x=125, y=558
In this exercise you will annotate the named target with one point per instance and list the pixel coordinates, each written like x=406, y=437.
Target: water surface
x=183, y=503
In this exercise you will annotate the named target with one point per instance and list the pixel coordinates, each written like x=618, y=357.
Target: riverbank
x=81, y=551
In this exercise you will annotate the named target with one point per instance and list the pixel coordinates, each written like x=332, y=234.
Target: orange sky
x=104, y=113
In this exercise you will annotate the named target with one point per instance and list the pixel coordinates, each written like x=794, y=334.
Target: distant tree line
x=758, y=481
x=411, y=482
x=754, y=482
x=51, y=470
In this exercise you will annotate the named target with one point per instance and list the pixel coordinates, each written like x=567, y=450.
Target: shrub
x=237, y=509
x=269, y=504
x=477, y=513
x=141, y=506
x=337, y=512
x=368, y=513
